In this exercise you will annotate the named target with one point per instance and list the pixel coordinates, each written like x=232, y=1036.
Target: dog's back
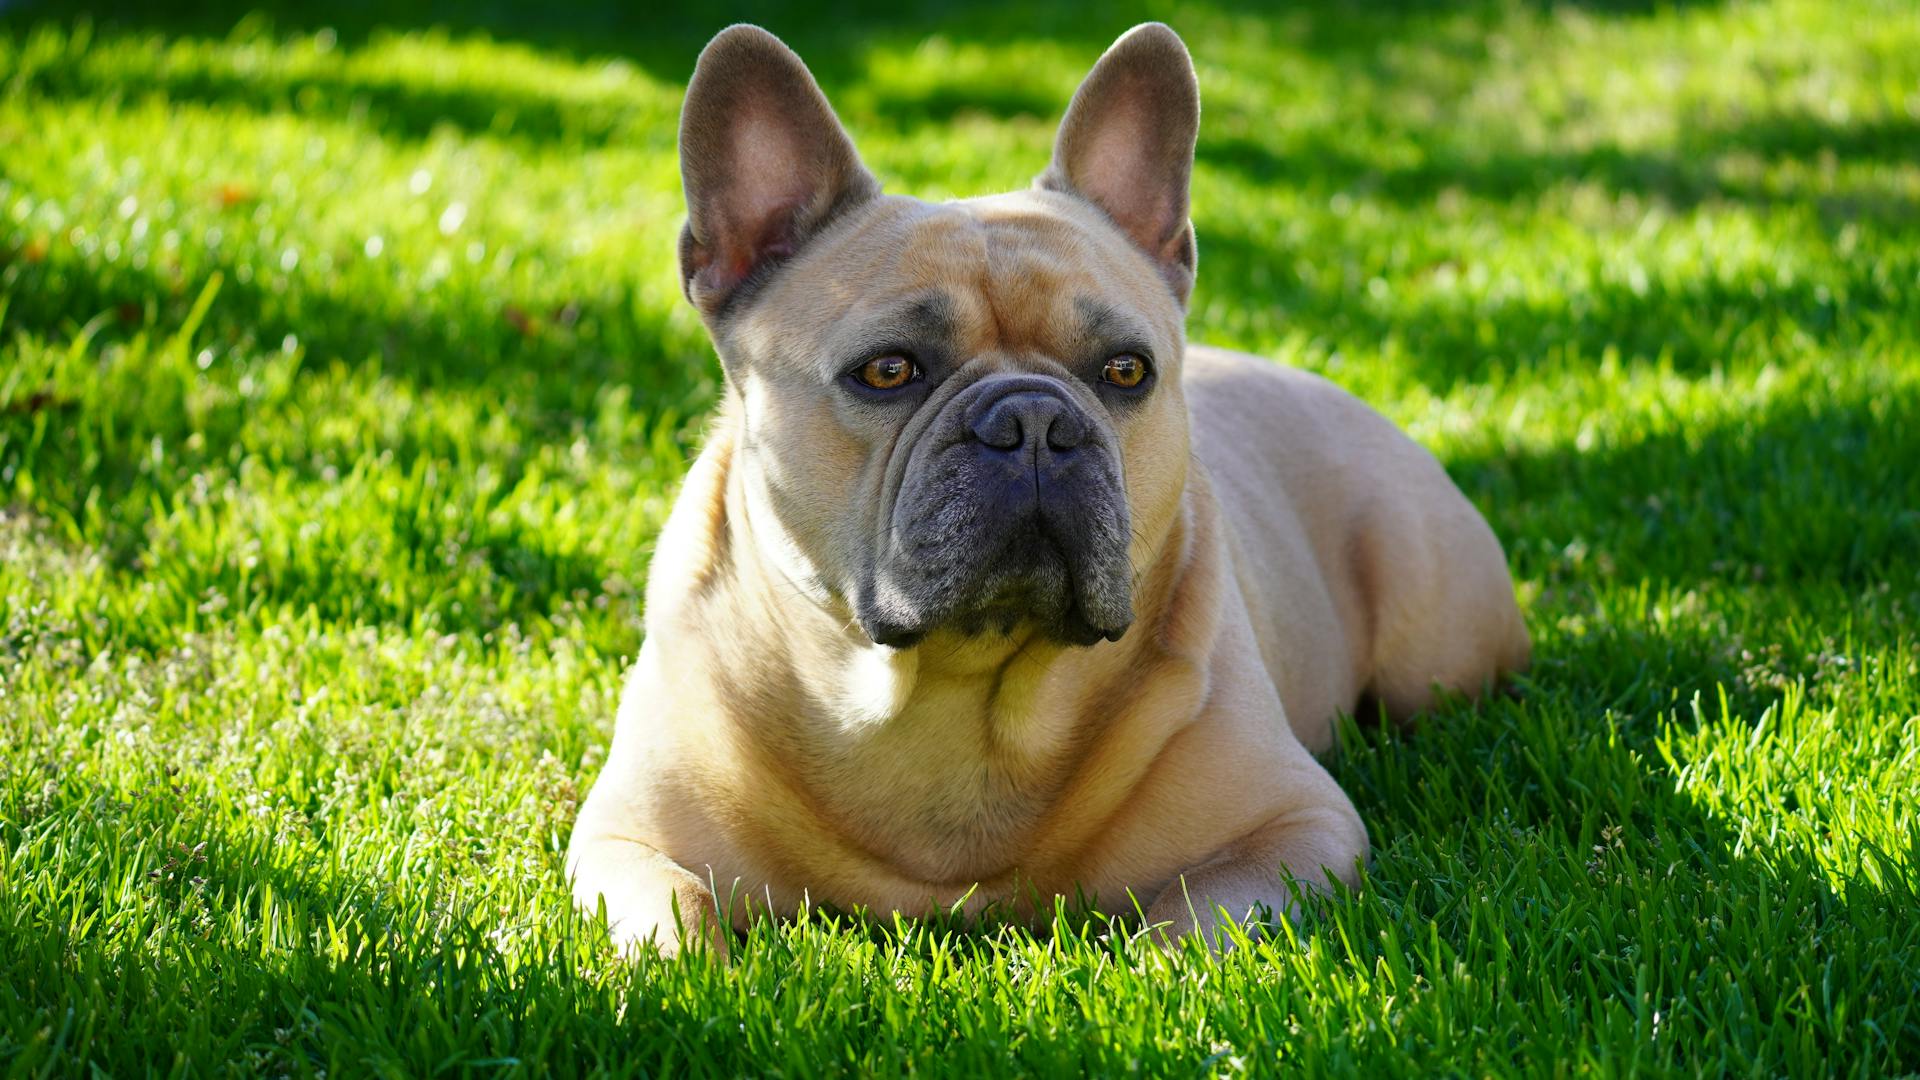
x=1341, y=520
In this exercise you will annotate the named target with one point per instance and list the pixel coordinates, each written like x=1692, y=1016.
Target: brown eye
x=887, y=372
x=1125, y=371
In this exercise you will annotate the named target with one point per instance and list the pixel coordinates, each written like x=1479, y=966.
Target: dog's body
x=1117, y=616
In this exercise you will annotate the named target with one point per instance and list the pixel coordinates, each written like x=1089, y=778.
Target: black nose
x=1030, y=417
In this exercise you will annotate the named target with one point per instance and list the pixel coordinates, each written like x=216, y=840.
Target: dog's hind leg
x=1438, y=594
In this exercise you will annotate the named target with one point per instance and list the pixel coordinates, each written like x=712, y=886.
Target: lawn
x=345, y=381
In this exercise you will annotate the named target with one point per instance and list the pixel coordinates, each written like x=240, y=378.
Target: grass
x=344, y=382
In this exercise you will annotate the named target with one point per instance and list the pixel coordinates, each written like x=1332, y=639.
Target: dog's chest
x=949, y=789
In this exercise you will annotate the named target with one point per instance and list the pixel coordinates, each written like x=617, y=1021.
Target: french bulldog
x=987, y=587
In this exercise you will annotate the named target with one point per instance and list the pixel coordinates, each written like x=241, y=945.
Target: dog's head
x=962, y=416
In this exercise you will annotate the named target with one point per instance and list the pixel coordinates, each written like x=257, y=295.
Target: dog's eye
x=1125, y=371
x=887, y=372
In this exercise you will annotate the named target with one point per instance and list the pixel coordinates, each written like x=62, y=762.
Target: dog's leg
x=644, y=891
x=1440, y=597
x=1309, y=843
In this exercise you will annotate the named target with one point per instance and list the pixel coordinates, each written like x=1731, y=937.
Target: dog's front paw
x=685, y=917
x=651, y=902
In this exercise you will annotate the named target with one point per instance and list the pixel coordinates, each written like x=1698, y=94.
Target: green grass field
x=345, y=381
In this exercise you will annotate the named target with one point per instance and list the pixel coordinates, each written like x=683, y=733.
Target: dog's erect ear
x=764, y=162
x=1126, y=145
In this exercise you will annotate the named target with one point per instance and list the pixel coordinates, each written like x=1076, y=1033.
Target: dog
x=987, y=588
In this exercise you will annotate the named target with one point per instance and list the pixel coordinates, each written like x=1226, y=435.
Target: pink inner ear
x=1118, y=173
x=765, y=190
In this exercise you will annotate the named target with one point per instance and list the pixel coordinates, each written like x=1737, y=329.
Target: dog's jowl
x=987, y=584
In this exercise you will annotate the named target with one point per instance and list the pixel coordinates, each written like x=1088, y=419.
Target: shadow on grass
x=1804, y=492
x=1696, y=171
x=1446, y=342
x=550, y=353
x=598, y=26
x=664, y=41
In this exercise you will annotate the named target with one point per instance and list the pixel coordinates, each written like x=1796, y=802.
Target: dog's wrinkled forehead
x=1022, y=275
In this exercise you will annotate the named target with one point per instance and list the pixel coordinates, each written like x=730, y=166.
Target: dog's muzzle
x=1012, y=510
